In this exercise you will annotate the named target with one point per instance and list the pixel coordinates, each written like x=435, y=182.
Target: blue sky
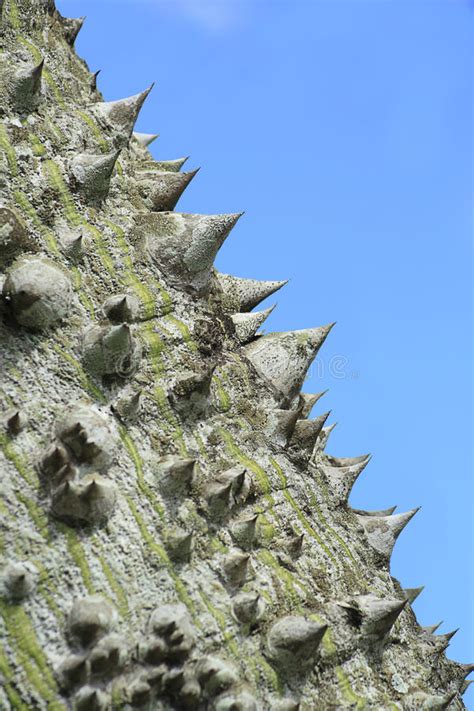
x=344, y=131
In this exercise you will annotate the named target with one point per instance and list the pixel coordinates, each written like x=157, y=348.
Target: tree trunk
x=174, y=535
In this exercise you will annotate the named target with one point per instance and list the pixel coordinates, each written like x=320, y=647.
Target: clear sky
x=344, y=129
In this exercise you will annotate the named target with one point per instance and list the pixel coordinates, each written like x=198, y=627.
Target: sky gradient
x=344, y=130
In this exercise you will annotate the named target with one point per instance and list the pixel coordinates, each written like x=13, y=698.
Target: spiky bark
x=174, y=534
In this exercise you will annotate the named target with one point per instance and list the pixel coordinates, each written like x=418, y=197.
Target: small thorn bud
x=248, y=607
x=15, y=423
x=180, y=545
x=293, y=642
x=236, y=567
x=294, y=546
x=175, y=474
x=18, y=580
x=244, y=532
x=121, y=308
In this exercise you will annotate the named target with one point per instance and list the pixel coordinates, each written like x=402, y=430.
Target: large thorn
x=26, y=86
x=465, y=686
x=443, y=640
x=247, y=324
x=244, y=532
x=466, y=669
x=168, y=166
x=323, y=439
x=279, y=425
x=93, y=81
x=306, y=402
x=381, y=512
x=431, y=629
x=145, y=139
x=122, y=114
x=306, y=433
x=412, y=593
x=373, y=616
x=383, y=531
x=284, y=358
x=94, y=172
x=183, y=246
x=438, y=703
x=72, y=26
x=244, y=294
x=293, y=642
x=341, y=479
x=163, y=190
x=345, y=461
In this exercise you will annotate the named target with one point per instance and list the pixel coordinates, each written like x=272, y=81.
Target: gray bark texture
x=174, y=534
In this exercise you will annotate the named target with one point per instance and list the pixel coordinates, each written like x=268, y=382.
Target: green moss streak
x=184, y=330
x=299, y=513
x=25, y=205
x=155, y=347
x=333, y=533
x=43, y=585
x=288, y=580
x=101, y=246
x=223, y=397
x=35, y=514
x=23, y=470
x=257, y=661
x=14, y=16
x=38, y=148
x=161, y=554
x=56, y=181
x=221, y=620
x=7, y=148
x=165, y=297
x=77, y=554
x=138, y=464
x=97, y=133
x=262, y=478
x=84, y=380
x=29, y=653
x=142, y=291
x=117, y=589
x=348, y=692
x=8, y=676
